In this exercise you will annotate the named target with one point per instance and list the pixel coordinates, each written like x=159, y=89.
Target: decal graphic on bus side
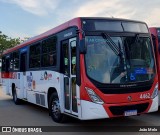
x=29, y=80
x=46, y=76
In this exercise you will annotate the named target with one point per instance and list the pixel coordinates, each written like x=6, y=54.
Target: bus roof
x=113, y=19
x=73, y=22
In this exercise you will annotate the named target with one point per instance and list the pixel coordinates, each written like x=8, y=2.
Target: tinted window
x=110, y=26
x=11, y=61
x=15, y=61
x=49, y=52
x=135, y=27
x=3, y=63
x=35, y=56
x=133, y=63
x=114, y=25
x=104, y=25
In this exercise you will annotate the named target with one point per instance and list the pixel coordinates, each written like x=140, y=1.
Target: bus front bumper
x=90, y=110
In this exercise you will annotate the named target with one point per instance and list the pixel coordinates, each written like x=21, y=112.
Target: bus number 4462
x=145, y=95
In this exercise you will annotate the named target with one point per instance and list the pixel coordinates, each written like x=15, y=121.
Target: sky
x=28, y=18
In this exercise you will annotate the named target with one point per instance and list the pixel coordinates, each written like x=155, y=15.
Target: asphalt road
x=28, y=114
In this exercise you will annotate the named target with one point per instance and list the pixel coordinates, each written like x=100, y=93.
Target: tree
x=7, y=42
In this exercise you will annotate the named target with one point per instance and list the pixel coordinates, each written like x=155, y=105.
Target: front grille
x=119, y=110
x=118, y=90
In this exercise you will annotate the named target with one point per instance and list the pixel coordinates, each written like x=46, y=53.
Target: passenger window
x=3, y=64
x=49, y=52
x=11, y=61
x=35, y=56
x=15, y=61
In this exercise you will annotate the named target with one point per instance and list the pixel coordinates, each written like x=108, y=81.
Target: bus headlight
x=155, y=92
x=93, y=96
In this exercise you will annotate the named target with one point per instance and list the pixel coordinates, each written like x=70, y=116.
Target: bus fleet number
x=145, y=96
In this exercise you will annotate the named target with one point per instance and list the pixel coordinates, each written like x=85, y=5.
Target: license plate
x=130, y=112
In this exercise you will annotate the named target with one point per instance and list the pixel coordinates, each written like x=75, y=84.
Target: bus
x=155, y=32
x=87, y=68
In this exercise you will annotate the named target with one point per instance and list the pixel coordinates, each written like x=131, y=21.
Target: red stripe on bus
x=5, y=75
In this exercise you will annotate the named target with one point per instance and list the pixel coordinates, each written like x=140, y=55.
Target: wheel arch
x=50, y=91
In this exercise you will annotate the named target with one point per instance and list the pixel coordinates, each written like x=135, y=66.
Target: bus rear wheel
x=15, y=99
x=54, y=109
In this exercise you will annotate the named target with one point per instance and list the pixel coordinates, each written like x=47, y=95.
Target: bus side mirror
x=82, y=46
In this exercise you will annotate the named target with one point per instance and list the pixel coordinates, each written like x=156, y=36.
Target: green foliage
x=7, y=42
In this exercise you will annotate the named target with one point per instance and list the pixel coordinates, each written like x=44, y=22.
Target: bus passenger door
x=70, y=87
x=23, y=81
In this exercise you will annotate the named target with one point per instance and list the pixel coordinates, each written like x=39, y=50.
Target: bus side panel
x=5, y=83
x=38, y=83
x=61, y=92
x=10, y=86
x=21, y=80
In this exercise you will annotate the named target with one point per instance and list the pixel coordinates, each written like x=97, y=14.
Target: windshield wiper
x=112, y=45
x=116, y=49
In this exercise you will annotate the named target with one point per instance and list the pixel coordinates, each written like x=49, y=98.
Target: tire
x=15, y=99
x=54, y=109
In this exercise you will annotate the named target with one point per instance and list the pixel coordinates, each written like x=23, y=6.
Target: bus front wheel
x=54, y=109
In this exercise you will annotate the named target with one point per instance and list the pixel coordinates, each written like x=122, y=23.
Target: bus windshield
x=104, y=65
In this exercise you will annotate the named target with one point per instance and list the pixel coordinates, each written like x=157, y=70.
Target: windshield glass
x=104, y=65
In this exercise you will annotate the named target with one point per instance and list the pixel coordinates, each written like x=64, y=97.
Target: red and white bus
x=155, y=32
x=88, y=68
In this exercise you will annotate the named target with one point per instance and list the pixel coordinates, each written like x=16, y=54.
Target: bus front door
x=70, y=87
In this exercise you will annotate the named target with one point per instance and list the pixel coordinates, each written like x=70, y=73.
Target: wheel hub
x=56, y=108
